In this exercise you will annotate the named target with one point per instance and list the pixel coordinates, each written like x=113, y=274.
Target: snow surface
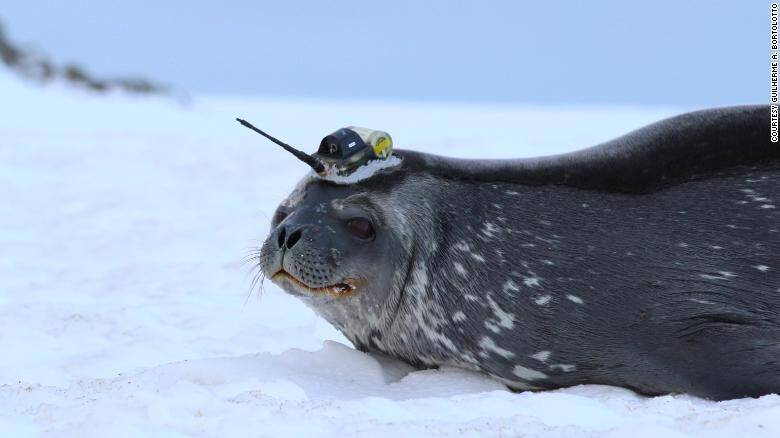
x=126, y=309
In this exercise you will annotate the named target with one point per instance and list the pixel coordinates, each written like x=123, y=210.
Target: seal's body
x=650, y=262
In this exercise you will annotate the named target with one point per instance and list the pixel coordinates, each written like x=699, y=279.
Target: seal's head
x=323, y=241
x=332, y=246
x=338, y=241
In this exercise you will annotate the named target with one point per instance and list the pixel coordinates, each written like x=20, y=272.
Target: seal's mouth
x=340, y=289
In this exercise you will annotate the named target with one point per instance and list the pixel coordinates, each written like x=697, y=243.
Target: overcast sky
x=680, y=53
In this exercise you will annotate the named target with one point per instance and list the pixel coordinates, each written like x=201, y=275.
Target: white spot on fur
x=459, y=316
x=532, y=281
x=722, y=275
x=527, y=373
x=767, y=206
x=492, y=327
x=566, y=368
x=543, y=300
x=468, y=357
x=575, y=299
x=762, y=268
x=505, y=319
x=462, y=246
x=511, y=286
x=490, y=229
x=461, y=270
x=478, y=257
x=548, y=262
x=419, y=277
x=487, y=344
x=542, y=355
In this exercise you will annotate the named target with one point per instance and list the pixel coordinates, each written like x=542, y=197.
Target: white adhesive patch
x=363, y=172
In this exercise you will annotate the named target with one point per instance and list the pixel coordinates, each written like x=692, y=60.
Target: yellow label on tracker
x=380, y=141
x=382, y=147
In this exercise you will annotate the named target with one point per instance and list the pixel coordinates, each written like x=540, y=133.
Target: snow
x=126, y=308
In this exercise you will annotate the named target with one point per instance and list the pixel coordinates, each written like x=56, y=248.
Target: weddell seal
x=650, y=262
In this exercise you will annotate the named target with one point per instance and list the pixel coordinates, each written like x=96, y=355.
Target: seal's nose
x=288, y=239
x=293, y=238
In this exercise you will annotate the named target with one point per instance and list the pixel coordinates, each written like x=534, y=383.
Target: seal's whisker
x=251, y=288
x=257, y=280
x=250, y=258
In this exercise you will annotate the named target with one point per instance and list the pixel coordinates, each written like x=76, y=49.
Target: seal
x=650, y=262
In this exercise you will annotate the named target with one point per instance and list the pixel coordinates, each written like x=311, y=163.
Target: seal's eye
x=360, y=228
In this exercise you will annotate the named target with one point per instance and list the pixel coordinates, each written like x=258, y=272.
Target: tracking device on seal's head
x=341, y=152
x=349, y=148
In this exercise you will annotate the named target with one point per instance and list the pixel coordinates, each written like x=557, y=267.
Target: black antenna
x=313, y=162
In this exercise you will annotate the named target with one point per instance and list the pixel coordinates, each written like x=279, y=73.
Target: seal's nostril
x=281, y=236
x=293, y=238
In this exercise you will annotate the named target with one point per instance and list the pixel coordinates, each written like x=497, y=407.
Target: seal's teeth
x=342, y=288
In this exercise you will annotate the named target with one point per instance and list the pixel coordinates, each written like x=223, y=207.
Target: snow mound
x=127, y=310
x=336, y=391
